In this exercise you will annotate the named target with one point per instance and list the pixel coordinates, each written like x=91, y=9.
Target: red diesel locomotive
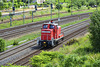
x=50, y=35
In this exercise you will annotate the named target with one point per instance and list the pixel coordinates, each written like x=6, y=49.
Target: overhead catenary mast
x=51, y=9
x=58, y=15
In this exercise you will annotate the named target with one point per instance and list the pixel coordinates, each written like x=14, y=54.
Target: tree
x=79, y=5
x=6, y=6
x=94, y=30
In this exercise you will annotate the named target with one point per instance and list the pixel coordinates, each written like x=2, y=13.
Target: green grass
x=82, y=47
x=34, y=35
x=78, y=54
x=27, y=37
x=62, y=26
x=17, y=23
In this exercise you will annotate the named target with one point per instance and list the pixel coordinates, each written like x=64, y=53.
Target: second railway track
x=27, y=28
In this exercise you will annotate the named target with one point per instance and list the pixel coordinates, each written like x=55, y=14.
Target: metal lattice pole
x=71, y=7
x=23, y=13
x=96, y=5
x=32, y=16
x=58, y=14
x=28, y=3
x=13, y=6
x=51, y=10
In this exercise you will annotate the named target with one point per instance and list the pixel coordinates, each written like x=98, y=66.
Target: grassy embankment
x=17, y=23
x=76, y=53
x=34, y=35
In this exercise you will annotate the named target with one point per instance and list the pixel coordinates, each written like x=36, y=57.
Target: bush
x=74, y=60
x=69, y=10
x=88, y=7
x=15, y=42
x=79, y=5
x=92, y=3
x=96, y=63
x=2, y=45
x=94, y=30
x=43, y=58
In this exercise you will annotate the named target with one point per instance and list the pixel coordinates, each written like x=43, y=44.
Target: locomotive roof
x=51, y=23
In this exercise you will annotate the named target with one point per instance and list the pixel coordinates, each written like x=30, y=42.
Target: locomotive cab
x=50, y=35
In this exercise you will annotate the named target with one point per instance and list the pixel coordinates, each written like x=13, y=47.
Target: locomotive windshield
x=51, y=26
x=45, y=26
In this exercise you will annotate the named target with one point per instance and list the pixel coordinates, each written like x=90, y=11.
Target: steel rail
x=25, y=60
x=28, y=29
x=20, y=47
x=35, y=23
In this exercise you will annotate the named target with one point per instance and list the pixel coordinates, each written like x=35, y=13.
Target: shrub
x=15, y=42
x=94, y=30
x=2, y=45
x=96, y=63
x=91, y=3
x=88, y=7
x=69, y=10
x=43, y=58
x=79, y=5
x=49, y=65
x=74, y=60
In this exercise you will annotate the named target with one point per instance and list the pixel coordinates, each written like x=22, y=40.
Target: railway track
x=77, y=30
x=28, y=28
x=15, y=55
x=31, y=17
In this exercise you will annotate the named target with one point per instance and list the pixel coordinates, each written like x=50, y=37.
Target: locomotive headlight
x=44, y=42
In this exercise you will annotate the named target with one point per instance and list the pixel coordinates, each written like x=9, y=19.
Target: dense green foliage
x=80, y=54
x=78, y=3
x=95, y=30
x=56, y=59
x=77, y=53
x=59, y=6
x=2, y=45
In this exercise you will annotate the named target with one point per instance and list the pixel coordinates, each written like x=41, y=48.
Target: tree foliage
x=94, y=30
x=59, y=6
x=57, y=59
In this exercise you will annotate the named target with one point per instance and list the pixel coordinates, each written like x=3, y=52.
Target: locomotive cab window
x=52, y=26
x=45, y=26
